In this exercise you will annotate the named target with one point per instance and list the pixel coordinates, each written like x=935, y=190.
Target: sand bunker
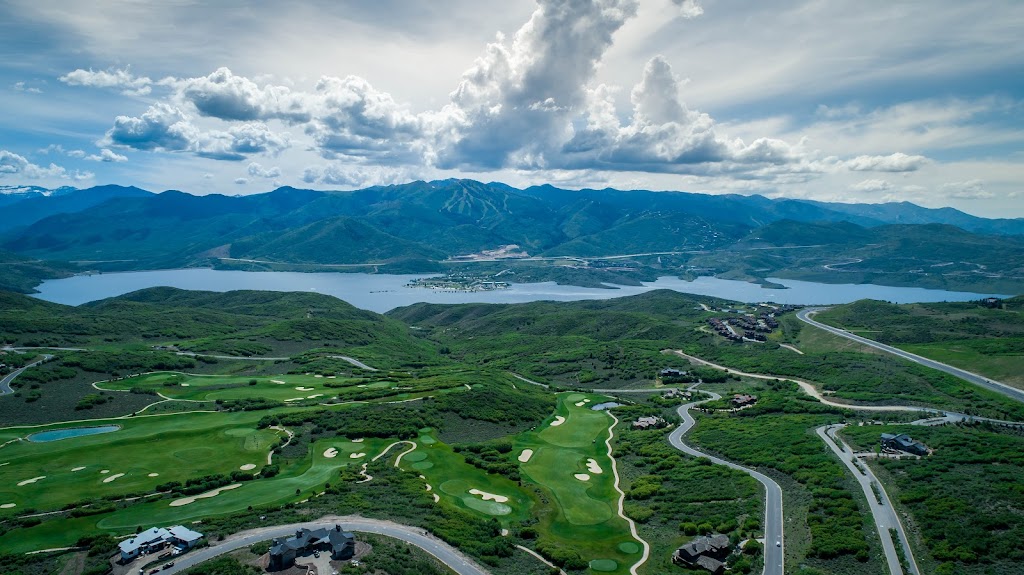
x=314, y=396
x=304, y=388
x=33, y=480
x=489, y=496
x=318, y=375
x=78, y=468
x=113, y=477
x=559, y=420
x=361, y=385
x=592, y=466
x=580, y=403
x=437, y=498
x=331, y=453
x=105, y=471
x=525, y=455
x=248, y=466
x=154, y=475
x=360, y=440
x=428, y=487
x=582, y=476
x=331, y=376
x=8, y=505
x=214, y=493
x=295, y=399
x=185, y=384
x=277, y=381
x=357, y=455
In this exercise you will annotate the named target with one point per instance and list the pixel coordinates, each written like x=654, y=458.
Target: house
x=157, y=538
x=652, y=422
x=743, y=400
x=672, y=372
x=991, y=302
x=706, y=552
x=903, y=442
x=340, y=544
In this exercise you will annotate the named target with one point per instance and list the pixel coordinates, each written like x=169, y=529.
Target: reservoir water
x=384, y=292
x=58, y=434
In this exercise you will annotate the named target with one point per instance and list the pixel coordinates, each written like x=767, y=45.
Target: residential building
x=905, y=443
x=743, y=400
x=706, y=552
x=649, y=423
x=156, y=539
x=341, y=545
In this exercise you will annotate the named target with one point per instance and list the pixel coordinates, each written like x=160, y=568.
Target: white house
x=156, y=538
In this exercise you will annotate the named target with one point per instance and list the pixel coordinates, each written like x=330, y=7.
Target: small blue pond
x=59, y=434
x=604, y=406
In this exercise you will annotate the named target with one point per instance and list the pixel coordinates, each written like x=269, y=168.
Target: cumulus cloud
x=258, y=171
x=227, y=96
x=22, y=87
x=338, y=174
x=898, y=162
x=969, y=190
x=166, y=128
x=872, y=186
x=241, y=181
x=12, y=164
x=123, y=80
x=688, y=8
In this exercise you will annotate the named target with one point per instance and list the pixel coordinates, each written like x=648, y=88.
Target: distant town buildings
x=903, y=442
x=706, y=552
x=156, y=539
x=340, y=544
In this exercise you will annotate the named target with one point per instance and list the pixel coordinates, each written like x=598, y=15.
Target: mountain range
x=415, y=226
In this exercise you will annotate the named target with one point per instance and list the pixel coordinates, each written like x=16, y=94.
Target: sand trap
x=248, y=467
x=77, y=468
x=277, y=381
x=559, y=420
x=428, y=487
x=525, y=455
x=314, y=396
x=360, y=440
x=357, y=455
x=361, y=385
x=580, y=403
x=592, y=466
x=331, y=453
x=304, y=388
x=8, y=505
x=113, y=477
x=33, y=480
x=318, y=375
x=489, y=496
x=331, y=376
x=582, y=476
x=185, y=384
x=105, y=471
x=153, y=475
x=437, y=498
x=296, y=399
x=214, y=493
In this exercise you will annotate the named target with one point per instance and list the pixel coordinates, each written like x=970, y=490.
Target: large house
x=156, y=539
x=743, y=400
x=340, y=544
x=652, y=422
x=705, y=552
x=904, y=442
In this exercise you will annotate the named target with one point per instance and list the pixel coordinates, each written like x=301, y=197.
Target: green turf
x=604, y=565
x=629, y=547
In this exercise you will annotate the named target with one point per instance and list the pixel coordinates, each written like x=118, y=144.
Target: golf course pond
x=58, y=434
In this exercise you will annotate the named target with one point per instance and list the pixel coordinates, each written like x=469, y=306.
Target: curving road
x=5, y=383
x=884, y=515
x=773, y=554
x=804, y=315
x=440, y=550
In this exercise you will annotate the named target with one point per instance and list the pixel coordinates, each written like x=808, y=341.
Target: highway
x=5, y=383
x=884, y=514
x=773, y=554
x=442, y=551
x=805, y=316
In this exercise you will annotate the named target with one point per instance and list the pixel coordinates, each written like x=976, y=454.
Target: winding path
x=622, y=497
x=804, y=315
x=773, y=520
x=443, y=552
x=883, y=512
x=5, y=383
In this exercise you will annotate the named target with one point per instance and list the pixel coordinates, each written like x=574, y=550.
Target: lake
x=384, y=292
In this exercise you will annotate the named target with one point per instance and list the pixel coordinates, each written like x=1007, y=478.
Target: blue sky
x=920, y=101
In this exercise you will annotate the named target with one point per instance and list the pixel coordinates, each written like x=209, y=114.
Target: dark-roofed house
x=705, y=552
x=743, y=400
x=340, y=544
x=652, y=422
x=905, y=443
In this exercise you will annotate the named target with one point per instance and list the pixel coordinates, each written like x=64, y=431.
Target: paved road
x=773, y=555
x=353, y=361
x=5, y=383
x=884, y=514
x=991, y=384
x=439, y=549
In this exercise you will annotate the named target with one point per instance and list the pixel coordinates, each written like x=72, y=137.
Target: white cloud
x=258, y=171
x=898, y=162
x=337, y=174
x=241, y=181
x=968, y=190
x=22, y=87
x=16, y=165
x=872, y=186
x=123, y=80
x=688, y=8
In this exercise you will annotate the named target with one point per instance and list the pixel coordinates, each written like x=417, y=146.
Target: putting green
x=488, y=507
x=629, y=547
x=414, y=456
x=422, y=465
x=604, y=565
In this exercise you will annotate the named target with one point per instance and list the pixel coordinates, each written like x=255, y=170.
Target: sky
x=832, y=100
